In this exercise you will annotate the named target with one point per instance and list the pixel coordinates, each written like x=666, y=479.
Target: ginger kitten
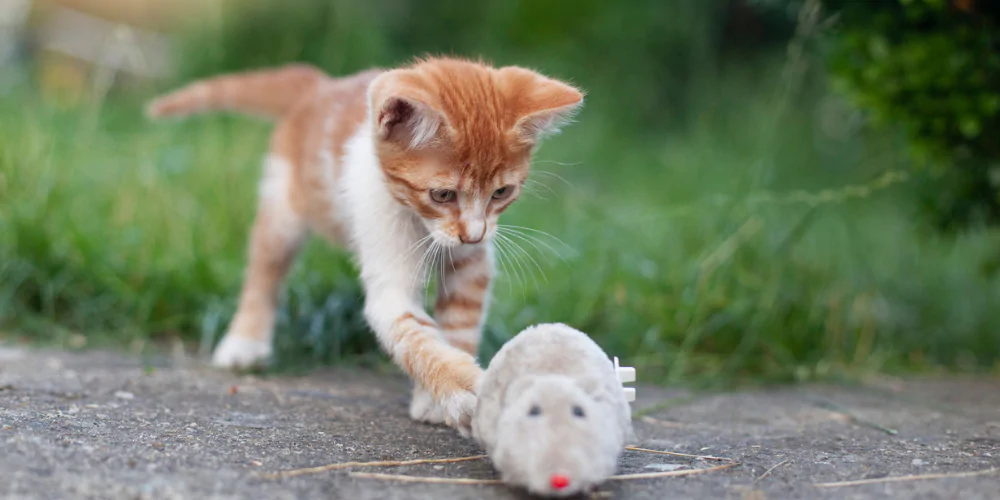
x=408, y=168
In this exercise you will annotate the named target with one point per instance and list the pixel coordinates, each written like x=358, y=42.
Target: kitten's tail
x=271, y=93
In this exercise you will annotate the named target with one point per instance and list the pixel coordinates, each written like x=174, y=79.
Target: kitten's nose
x=473, y=231
x=465, y=238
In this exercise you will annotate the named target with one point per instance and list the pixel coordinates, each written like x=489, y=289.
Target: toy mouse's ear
x=603, y=396
x=594, y=387
x=516, y=387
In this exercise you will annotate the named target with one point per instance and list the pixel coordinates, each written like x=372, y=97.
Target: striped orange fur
x=398, y=166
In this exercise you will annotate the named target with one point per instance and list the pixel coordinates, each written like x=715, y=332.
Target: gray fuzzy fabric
x=550, y=405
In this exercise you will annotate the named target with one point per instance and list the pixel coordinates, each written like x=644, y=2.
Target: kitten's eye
x=442, y=195
x=535, y=411
x=502, y=193
x=578, y=412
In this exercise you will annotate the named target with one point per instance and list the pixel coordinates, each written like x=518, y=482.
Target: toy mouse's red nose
x=559, y=481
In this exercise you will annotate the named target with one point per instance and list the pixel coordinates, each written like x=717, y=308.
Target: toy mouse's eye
x=578, y=412
x=535, y=411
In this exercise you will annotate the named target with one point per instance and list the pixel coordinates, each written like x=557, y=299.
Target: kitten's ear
x=542, y=105
x=401, y=115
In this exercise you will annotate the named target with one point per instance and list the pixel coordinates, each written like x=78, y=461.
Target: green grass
x=705, y=255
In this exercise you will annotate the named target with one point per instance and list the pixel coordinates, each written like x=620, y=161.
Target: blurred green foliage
x=932, y=68
x=715, y=213
x=641, y=56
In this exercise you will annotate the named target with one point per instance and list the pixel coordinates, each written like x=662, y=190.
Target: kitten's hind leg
x=277, y=235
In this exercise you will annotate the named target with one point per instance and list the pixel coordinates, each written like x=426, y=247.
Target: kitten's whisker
x=429, y=271
x=442, y=279
x=423, y=266
x=504, y=256
x=432, y=264
x=413, y=248
x=510, y=259
x=531, y=240
x=529, y=186
x=533, y=260
x=433, y=267
x=517, y=260
x=516, y=230
x=503, y=268
x=418, y=271
x=532, y=192
x=525, y=253
x=557, y=176
x=538, y=231
x=561, y=164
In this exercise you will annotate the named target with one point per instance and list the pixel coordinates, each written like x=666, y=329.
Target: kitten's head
x=454, y=139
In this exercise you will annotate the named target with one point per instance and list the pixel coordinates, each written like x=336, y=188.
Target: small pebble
x=917, y=461
x=124, y=395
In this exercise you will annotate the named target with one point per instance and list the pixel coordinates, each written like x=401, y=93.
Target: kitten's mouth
x=448, y=240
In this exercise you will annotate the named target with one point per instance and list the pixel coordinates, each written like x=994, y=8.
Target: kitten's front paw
x=459, y=407
x=423, y=408
x=235, y=352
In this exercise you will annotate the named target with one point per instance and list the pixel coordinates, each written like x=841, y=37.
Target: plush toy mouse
x=552, y=414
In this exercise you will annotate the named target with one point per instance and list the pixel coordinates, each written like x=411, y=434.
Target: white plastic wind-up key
x=626, y=374
x=629, y=393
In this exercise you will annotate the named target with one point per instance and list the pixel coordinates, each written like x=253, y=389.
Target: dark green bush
x=931, y=68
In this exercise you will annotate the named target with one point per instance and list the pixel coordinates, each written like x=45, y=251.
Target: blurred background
x=765, y=190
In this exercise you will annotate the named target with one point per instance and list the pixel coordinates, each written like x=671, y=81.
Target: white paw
x=459, y=408
x=423, y=408
x=239, y=352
